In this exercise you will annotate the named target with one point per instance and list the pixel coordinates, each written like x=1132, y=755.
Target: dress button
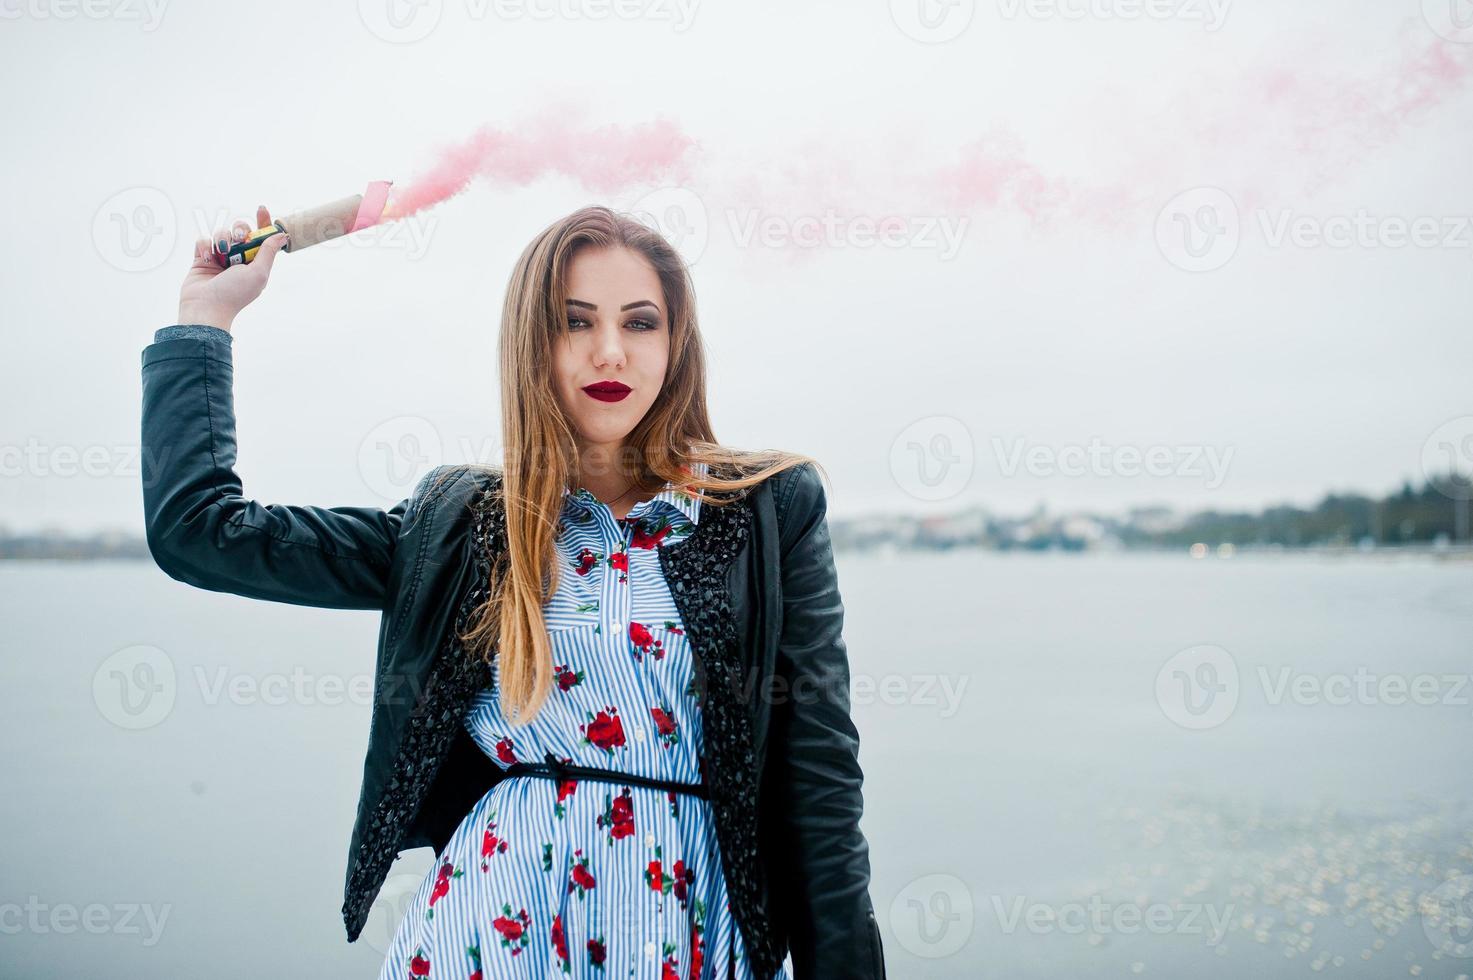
x=649, y=840
x=617, y=625
x=639, y=734
x=649, y=949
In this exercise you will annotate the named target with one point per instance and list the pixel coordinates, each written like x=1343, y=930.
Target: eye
x=640, y=324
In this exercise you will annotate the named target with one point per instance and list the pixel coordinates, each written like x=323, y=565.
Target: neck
x=608, y=472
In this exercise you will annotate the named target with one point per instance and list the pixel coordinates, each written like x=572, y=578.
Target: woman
x=611, y=689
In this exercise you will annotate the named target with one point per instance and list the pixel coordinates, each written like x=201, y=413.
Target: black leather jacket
x=756, y=587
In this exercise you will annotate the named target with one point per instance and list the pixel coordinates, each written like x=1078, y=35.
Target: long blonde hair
x=541, y=455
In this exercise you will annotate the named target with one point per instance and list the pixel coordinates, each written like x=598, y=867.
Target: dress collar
x=671, y=497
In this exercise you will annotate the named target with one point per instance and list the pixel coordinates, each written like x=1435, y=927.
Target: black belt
x=555, y=768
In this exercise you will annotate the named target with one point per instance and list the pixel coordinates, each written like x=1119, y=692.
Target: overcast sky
x=1118, y=230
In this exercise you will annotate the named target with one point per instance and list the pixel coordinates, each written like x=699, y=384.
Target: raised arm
x=834, y=935
x=202, y=530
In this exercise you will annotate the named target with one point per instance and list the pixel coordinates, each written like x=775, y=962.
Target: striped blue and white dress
x=548, y=878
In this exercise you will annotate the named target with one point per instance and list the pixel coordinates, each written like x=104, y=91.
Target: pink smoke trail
x=1273, y=124
x=602, y=159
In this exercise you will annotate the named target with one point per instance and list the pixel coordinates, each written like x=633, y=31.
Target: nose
x=608, y=350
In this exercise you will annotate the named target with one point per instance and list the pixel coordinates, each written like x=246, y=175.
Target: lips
x=607, y=391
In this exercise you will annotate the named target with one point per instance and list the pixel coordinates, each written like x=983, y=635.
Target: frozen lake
x=1122, y=765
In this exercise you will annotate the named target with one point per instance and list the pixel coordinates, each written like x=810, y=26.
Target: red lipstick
x=607, y=391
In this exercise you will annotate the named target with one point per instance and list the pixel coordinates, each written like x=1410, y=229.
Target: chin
x=605, y=431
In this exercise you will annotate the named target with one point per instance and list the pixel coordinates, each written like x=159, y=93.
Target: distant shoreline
x=1417, y=551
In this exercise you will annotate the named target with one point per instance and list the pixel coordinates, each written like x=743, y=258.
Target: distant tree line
x=1439, y=510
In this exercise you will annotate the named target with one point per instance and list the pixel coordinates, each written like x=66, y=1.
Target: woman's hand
x=212, y=295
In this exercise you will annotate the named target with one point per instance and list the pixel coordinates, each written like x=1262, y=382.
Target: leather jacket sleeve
x=201, y=528
x=834, y=935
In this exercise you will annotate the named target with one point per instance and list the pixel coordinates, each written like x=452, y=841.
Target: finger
x=266, y=254
x=263, y=217
x=201, y=252
x=220, y=241
x=241, y=230
x=204, y=256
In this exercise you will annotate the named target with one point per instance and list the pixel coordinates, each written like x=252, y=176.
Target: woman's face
x=617, y=337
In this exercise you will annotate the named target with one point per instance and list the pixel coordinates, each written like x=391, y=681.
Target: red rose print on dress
x=684, y=877
x=560, y=944
x=619, y=562
x=420, y=965
x=652, y=534
x=442, y=885
x=676, y=881
x=474, y=952
x=642, y=641
x=565, y=789
x=655, y=876
x=697, y=942
x=587, y=559
x=665, y=725
x=596, y=952
x=513, y=928
x=580, y=879
x=490, y=843
x=618, y=815
x=504, y=751
x=604, y=730
x=567, y=678
x=669, y=969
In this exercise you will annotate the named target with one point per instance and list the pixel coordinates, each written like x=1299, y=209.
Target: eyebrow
x=626, y=306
